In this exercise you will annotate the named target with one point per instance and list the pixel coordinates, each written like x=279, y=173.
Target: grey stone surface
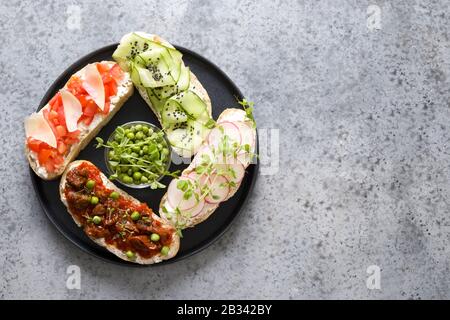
x=363, y=117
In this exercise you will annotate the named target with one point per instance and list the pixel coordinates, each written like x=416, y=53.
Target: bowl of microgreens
x=138, y=155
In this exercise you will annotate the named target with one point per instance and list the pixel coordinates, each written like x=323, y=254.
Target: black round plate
x=223, y=93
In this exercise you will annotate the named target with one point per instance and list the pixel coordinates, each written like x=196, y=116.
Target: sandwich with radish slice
x=74, y=115
x=215, y=173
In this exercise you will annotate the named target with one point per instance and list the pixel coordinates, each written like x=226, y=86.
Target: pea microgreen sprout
x=248, y=107
x=137, y=154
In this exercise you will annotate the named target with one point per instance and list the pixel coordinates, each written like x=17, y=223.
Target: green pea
x=145, y=149
x=130, y=254
x=135, y=216
x=118, y=137
x=137, y=175
x=114, y=195
x=150, y=132
x=145, y=129
x=140, y=135
x=134, y=169
x=165, y=151
x=144, y=179
x=90, y=184
x=111, y=154
x=94, y=200
x=123, y=169
x=136, y=149
x=130, y=172
x=133, y=129
x=134, y=154
x=138, y=127
x=127, y=179
x=165, y=250
x=154, y=237
x=96, y=219
x=130, y=135
x=141, y=152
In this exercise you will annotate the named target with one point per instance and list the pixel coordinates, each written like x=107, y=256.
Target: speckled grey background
x=364, y=173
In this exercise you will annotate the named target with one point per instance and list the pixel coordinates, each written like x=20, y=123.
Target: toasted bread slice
x=194, y=86
x=124, y=91
x=101, y=241
x=228, y=115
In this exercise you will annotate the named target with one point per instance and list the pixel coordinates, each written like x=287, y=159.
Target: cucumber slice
x=160, y=65
x=156, y=103
x=130, y=46
x=204, y=118
x=147, y=37
x=192, y=104
x=159, y=55
x=154, y=76
x=134, y=74
x=169, y=91
x=172, y=113
x=185, y=78
x=188, y=137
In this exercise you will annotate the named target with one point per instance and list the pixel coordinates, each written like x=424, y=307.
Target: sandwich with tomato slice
x=74, y=115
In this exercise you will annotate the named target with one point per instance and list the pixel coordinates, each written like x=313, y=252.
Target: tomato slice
x=58, y=159
x=73, y=135
x=102, y=68
x=61, y=115
x=112, y=89
x=49, y=166
x=34, y=144
x=107, y=106
x=60, y=131
x=75, y=86
x=83, y=98
x=107, y=78
x=88, y=119
x=91, y=108
x=62, y=147
x=44, y=155
x=116, y=73
x=52, y=115
x=52, y=125
x=55, y=100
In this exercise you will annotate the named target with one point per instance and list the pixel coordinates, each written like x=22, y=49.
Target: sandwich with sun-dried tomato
x=115, y=220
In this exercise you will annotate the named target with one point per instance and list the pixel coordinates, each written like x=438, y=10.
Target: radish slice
x=207, y=207
x=247, y=134
x=38, y=128
x=72, y=110
x=245, y=159
x=219, y=189
x=93, y=84
x=196, y=209
x=204, y=154
x=225, y=128
x=202, y=179
x=175, y=195
x=233, y=172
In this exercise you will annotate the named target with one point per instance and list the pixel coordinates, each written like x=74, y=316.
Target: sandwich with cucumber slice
x=169, y=87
